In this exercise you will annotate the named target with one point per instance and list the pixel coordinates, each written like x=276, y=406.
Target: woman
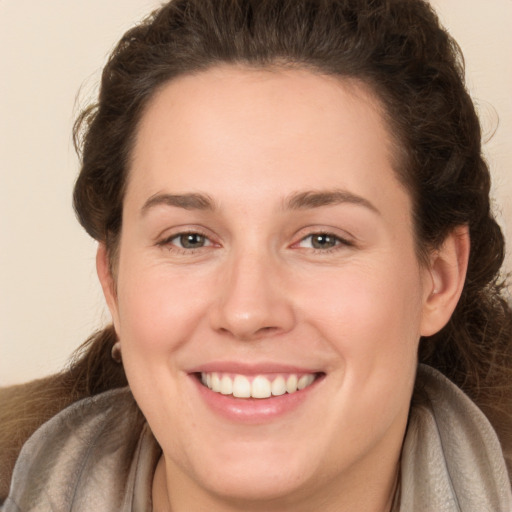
x=292, y=211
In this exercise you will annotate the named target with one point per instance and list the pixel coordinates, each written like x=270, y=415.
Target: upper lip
x=244, y=368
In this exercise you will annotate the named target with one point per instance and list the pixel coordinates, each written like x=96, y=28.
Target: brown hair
x=413, y=66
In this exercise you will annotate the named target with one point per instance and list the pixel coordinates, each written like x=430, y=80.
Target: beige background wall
x=49, y=297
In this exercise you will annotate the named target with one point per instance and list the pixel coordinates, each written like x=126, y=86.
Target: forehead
x=269, y=129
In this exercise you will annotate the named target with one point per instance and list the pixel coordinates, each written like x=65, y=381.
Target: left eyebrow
x=317, y=199
x=185, y=201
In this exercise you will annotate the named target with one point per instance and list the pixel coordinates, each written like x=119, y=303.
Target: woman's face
x=267, y=245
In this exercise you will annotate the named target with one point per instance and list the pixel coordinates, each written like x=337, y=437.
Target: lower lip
x=254, y=410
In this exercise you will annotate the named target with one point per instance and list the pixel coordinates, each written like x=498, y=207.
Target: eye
x=191, y=240
x=188, y=241
x=322, y=241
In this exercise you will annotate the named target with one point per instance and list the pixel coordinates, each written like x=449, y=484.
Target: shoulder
x=88, y=443
x=452, y=459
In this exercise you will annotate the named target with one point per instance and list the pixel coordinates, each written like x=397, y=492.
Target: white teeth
x=241, y=386
x=305, y=381
x=278, y=386
x=291, y=384
x=261, y=387
x=215, y=382
x=226, y=385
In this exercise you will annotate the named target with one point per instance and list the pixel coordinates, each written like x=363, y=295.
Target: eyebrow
x=317, y=199
x=190, y=201
x=297, y=201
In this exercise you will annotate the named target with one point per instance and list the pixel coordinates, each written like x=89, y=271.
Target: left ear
x=448, y=266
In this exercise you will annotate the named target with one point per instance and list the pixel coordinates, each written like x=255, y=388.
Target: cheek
x=370, y=314
x=159, y=314
x=158, y=309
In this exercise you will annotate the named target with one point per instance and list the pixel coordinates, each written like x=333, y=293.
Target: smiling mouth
x=258, y=386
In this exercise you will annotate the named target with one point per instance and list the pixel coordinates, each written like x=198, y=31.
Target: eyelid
x=165, y=240
x=339, y=243
x=207, y=241
x=343, y=237
x=337, y=239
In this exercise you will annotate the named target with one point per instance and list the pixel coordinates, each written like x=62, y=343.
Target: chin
x=254, y=472
x=256, y=482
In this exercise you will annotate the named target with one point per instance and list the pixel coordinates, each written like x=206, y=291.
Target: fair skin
x=265, y=233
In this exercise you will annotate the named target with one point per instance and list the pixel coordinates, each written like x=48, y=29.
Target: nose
x=252, y=302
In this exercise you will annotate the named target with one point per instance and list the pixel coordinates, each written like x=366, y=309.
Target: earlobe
x=103, y=269
x=447, y=270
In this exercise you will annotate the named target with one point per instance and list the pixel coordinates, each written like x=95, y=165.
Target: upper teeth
x=259, y=387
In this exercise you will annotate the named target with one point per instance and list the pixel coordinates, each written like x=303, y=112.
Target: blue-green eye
x=322, y=241
x=191, y=240
x=187, y=241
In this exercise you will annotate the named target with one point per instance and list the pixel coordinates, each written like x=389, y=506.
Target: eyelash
x=168, y=242
x=339, y=242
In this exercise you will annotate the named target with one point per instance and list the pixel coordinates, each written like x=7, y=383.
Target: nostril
x=252, y=316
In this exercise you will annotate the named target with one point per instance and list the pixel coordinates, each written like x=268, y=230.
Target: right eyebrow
x=187, y=201
x=319, y=198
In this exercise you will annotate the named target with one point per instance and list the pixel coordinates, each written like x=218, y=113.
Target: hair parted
x=415, y=69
